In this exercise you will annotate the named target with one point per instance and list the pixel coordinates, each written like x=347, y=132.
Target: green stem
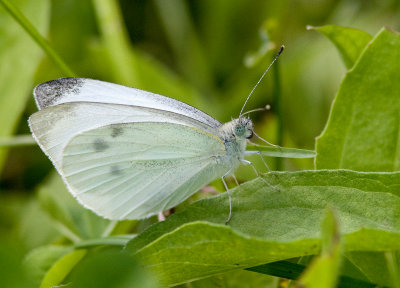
x=109, y=228
x=67, y=232
x=116, y=240
x=17, y=141
x=393, y=268
x=116, y=41
x=278, y=110
x=41, y=41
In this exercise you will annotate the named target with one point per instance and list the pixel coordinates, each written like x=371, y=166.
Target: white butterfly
x=128, y=154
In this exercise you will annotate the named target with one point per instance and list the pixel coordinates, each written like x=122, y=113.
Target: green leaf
x=71, y=218
x=350, y=42
x=237, y=279
x=19, y=57
x=110, y=268
x=180, y=256
x=62, y=268
x=289, y=270
x=40, y=260
x=371, y=264
x=323, y=270
x=281, y=151
x=269, y=225
x=31, y=30
x=362, y=132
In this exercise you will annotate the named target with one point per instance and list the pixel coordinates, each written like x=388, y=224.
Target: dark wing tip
x=48, y=93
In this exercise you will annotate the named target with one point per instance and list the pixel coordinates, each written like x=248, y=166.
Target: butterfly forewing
x=65, y=90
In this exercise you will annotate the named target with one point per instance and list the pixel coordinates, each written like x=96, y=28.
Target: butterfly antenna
x=265, y=72
x=265, y=108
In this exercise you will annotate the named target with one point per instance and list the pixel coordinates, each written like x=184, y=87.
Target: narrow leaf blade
x=281, y=151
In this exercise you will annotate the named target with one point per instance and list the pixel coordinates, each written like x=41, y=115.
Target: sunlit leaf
x=40, y=260
x=323, y=270
x=270, y=225
x=363, y=128
x=62, y=268
x=110, y=268
x=350, y=42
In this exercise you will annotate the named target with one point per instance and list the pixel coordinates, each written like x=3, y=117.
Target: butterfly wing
x=75, y=110
x=54, y=126
x=134, y=170
x=66, y=90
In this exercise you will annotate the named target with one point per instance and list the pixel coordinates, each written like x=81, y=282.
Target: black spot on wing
x=46, y=94
x=115, y=170
x=117, y=131
x=100, y=145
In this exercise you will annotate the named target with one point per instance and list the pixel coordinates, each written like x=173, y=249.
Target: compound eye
x=239, y=130
x=250, y=136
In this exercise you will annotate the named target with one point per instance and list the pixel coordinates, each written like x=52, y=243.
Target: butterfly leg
x=262, y=159
x=246, y=162
x=229, y=196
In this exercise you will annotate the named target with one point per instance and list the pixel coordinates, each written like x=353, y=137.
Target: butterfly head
x=243, y=127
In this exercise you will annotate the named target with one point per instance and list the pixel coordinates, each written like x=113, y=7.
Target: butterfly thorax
x=234, y=134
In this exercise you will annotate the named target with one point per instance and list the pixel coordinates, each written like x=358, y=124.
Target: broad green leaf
x=350, y=42
x=362, y=132
x=62, y=268
x=19, y=57
x=270, y=225
x=372, y=264
x=71, y=218
x=282, y=151
x=200, y=249
x=323, y=270
x=40, y=260
x=110, y=268
x=237, y=279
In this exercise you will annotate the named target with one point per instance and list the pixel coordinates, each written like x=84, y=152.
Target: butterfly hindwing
x=134, y=170
x=54, y=126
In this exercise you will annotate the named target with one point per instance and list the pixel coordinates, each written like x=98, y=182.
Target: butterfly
x=126, y=153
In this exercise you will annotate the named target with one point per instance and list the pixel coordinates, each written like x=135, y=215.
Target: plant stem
x=393, y=268
x=41, y=41
x=116, y=41
x=116, y=240
x=278, y=110
x=17, y=141
x=109, y=228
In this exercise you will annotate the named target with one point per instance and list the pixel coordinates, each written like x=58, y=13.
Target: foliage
x=334, y=225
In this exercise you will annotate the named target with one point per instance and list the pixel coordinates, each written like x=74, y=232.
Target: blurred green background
x=207, y=53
